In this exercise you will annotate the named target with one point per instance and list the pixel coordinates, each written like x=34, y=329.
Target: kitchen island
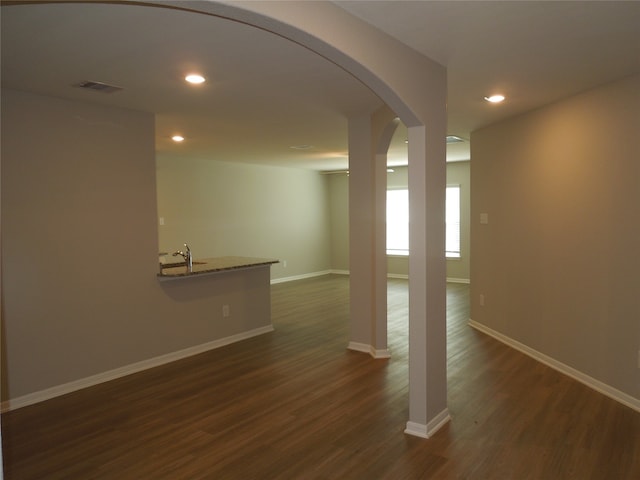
x=221, y=300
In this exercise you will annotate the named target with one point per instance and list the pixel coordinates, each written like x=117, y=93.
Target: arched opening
x=414, y=88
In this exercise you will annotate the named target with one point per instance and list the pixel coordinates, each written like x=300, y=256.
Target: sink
x=181, y=264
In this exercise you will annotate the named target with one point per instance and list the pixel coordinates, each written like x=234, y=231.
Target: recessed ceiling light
x=494, y=98
x=177, y=138
x=194, y=78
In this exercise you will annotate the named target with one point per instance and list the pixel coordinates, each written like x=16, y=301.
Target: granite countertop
x=203, y=266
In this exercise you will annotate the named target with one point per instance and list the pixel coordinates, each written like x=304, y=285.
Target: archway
x=413, y=87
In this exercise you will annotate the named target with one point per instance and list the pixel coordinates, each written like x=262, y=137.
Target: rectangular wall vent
x=98, y=86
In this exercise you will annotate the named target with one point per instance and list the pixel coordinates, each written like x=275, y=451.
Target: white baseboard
x=428, y=430
x=389, y=275
x=301, y=277
x=58, y=390
x=449, y=279
x=340, y=272
x=458, y=280
x=363, y=347
x=583, y=378
x=402, y=276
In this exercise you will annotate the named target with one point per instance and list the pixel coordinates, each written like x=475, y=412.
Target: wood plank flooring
x=295, y=404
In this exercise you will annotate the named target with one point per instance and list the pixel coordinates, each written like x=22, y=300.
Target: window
x=398, y=222
x=452, y=222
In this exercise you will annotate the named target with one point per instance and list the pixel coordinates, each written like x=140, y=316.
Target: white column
x=361, y=241
x=427, y=283
x=369, y=137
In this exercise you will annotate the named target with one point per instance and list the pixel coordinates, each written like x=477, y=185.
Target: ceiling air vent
x=98, y=86
x=454, y=139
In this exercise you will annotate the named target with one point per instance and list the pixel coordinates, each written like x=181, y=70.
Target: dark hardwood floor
x=295, y=404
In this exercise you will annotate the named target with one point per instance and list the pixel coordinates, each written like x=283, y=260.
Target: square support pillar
x=427, y=282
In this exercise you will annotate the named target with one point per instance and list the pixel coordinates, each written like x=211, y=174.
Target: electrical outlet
x=225, y=311
x=482, y=299
x=284, y=264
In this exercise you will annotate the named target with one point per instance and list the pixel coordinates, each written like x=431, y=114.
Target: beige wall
x=339, y=217
x=79, y=251
x=557, y=262
x=225, y=209
x=457, y=173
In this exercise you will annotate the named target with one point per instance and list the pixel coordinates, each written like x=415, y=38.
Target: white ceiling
x=265, y=94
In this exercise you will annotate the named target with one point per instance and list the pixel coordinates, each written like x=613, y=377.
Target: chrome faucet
x=187, y=256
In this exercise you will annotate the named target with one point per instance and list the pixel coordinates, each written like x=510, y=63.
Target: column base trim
x=364, y=348
x=428, y=430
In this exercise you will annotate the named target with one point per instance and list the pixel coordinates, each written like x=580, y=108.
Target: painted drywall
x=556, y=262
x=223, y=209
x=458, y=173
x=79, y=251
x=338, y=185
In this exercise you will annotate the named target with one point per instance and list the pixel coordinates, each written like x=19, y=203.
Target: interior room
x=307, y=114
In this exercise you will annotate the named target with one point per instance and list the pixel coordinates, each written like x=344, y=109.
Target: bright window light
x=398, y=222
x=452, y=222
